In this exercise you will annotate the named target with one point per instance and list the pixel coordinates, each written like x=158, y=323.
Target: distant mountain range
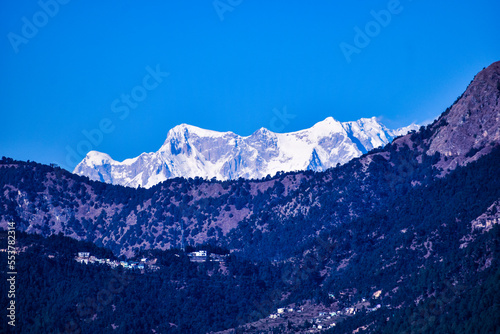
x=190, y=151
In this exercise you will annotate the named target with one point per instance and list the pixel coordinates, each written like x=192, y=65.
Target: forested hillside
x=418, y=247
x=414, y=223
x=251, y=216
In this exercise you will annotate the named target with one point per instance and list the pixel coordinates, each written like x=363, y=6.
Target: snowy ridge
x=190, y=151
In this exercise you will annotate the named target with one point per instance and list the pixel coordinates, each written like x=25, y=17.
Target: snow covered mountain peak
x=95, y=157
x=186, y=129
x=325, y=127
x=190, y=151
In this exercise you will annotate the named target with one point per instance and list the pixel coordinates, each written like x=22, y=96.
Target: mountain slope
x=243, y=212
x=190, y=151
x=414, y=222
x=471, y=123
x=408, y=251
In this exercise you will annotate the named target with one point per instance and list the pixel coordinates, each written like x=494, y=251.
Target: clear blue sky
x=230, y=67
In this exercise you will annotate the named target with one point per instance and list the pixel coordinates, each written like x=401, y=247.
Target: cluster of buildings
x=321, y=320
x=282, y=311
x=144, y=263
x=203, y=255
x=324, y=320
x=85, y=257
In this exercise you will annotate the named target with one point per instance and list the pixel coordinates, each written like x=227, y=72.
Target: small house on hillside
x=198, y=253
x=199, y=256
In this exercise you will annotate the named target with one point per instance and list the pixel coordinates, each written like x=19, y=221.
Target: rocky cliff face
x=192, y=152
x=468, y=129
